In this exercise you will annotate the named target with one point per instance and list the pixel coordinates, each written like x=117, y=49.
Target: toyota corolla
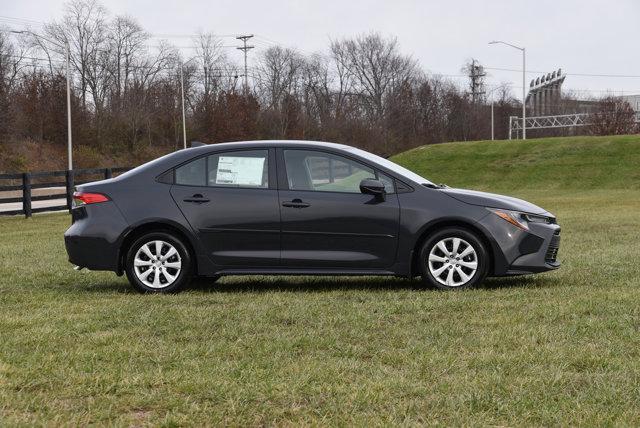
x=300, y=208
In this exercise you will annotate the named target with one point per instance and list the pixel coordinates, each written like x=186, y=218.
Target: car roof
x=264, y=143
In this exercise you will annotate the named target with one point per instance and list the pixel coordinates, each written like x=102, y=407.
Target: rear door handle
x=197, y=199
x=296, y=203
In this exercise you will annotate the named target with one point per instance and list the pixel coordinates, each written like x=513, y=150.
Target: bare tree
x=317, y=90
x=377, y=67
x=12, y=61
x=83, y=27
x=614, y=116
x=211, y=56
x=126, y=44
x=343, y=77
x=279, y=73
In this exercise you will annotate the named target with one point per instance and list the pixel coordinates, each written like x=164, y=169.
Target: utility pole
x=476, y=77
x=245, y=48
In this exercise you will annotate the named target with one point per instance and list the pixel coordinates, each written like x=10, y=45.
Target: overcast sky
x=579, y=36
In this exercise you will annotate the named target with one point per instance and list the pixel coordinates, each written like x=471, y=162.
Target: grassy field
x=577, y=163
x=560, y=348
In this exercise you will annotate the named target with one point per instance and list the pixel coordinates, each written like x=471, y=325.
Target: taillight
x=82, y=198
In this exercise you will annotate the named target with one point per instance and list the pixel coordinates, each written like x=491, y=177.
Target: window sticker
x=240, y=171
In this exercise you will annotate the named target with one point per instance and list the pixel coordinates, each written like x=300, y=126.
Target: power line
x=567, y=74
x=187, y=36
x=188, y=47
x=21, y=20
x=34, y=58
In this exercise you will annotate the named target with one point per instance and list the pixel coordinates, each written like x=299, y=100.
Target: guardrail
x=29, y=181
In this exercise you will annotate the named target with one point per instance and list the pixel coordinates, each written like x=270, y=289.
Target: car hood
x=493, y=200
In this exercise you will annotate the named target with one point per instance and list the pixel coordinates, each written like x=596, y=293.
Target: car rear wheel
x=158, y=262
x=453, y=259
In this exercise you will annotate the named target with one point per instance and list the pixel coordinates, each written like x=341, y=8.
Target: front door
x=231, y=202
x=326, y=221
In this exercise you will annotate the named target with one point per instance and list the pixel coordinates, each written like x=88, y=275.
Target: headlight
x=519, y=219
x=532, y=218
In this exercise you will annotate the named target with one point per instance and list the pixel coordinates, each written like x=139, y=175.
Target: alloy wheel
x=453, y=262
x=157, y=264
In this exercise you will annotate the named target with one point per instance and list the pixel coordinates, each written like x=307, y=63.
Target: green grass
x=561, y=348
x=576, y=163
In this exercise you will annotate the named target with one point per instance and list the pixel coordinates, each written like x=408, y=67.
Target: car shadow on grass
x=317, y=284
x=524, y=281
x=322, y=284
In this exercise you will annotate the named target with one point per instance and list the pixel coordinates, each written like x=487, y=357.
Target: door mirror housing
x=373, y=187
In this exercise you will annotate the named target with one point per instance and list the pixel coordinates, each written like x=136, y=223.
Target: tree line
x=126, y=91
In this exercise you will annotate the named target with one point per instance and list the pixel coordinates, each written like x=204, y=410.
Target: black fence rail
x=24, y=183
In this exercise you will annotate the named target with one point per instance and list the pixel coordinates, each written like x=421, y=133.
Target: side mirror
x=373, y=187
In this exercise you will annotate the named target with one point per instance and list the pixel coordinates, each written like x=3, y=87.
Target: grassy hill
x=570, y=163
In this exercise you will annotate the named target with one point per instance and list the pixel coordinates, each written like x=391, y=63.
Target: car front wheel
x=453, y=259
x=158, y=262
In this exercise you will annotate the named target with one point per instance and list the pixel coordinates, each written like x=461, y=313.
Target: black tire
x=183, y=276
x=454, y=264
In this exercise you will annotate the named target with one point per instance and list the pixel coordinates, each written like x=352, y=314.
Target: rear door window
x=242, y=169
x=249, y=168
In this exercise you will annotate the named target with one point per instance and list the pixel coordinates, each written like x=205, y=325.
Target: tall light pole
x=67, y=55
x=492, y=133
x=524, y=78
x=184, y=122
x=492, y=102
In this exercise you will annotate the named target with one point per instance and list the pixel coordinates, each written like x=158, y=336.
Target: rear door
x=230, y=200
x=326, y=221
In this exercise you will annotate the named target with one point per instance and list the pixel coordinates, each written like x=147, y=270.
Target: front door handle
x=296, y=203
x=197, y=199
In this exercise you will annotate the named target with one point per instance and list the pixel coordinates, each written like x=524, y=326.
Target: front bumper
x=520, y=252
x=542, y=260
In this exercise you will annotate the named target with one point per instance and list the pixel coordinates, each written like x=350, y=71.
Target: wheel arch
x=154, y=226
x=495, y=255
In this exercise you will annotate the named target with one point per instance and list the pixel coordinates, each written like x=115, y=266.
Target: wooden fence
x=26, y=182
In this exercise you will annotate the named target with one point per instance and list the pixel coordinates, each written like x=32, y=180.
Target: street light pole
x=69, y=138
x=524, y=78
x=68, y=73
x=184, y=122
x=524, y=97
x=489, y=94
x=492, y=134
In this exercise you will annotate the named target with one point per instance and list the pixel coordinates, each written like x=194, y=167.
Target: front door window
x=325, y=172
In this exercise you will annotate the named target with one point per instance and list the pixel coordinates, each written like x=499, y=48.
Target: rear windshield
x=144, y=166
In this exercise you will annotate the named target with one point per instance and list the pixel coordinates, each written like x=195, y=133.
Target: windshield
x=391, y=166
